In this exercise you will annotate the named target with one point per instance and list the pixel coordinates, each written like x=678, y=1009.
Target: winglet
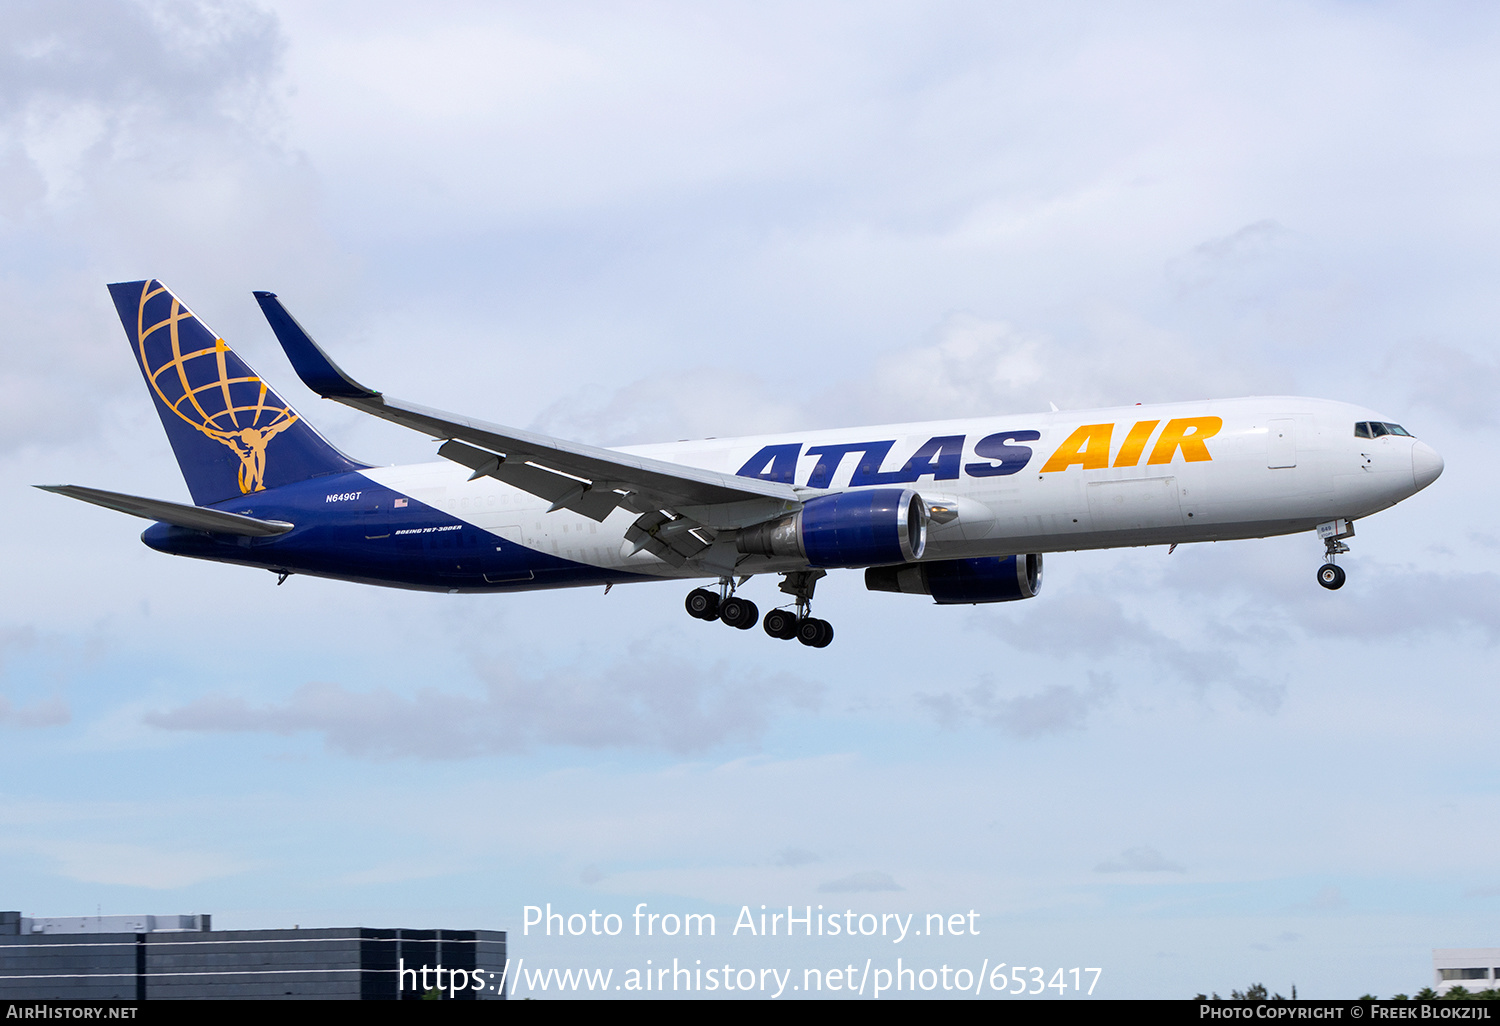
x=312, y=365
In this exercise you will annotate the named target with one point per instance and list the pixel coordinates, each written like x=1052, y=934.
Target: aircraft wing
x=197, y=518
x=679, y=506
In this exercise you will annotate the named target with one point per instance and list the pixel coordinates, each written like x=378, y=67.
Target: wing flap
x=673, y=539
x=594, y=500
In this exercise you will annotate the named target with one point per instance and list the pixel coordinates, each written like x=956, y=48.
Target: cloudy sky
x=637, y=222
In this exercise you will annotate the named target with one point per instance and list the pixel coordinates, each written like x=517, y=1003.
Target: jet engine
x=958, y=581
x=859, y=528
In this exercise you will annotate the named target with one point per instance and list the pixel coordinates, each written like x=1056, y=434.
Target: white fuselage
x=1133, y=475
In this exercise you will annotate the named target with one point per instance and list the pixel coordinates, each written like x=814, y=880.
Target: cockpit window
x=1375, y=429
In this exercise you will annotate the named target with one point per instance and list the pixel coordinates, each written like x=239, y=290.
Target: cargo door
x=1135, y=505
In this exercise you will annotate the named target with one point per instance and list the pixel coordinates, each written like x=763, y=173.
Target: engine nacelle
x=860, y=528
x=958, y=581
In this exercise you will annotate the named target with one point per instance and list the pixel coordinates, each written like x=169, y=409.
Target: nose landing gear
x=1330, y=574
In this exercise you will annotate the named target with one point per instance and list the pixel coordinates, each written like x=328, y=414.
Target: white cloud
x=1451, y=382
x=1094, y=623
x=1053, y=709
x=136, y=140
x=973, y=367
x=46, y=712
x=1329, y=898
x=651, y=700
x=157, y=867
x=1144, y=859
x=700, y=403
x=869, y=881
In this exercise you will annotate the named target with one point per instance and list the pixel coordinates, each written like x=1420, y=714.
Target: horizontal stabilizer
x=196, y=518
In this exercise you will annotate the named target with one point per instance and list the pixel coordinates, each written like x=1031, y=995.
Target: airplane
x=960, y=510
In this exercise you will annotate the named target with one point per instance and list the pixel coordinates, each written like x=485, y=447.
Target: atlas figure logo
x=202, y=387
x=941, y=456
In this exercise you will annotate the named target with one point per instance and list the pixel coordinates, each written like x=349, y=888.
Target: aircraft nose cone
x=1426, y=464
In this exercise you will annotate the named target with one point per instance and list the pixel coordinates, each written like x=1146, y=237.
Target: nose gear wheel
x=1331, y=576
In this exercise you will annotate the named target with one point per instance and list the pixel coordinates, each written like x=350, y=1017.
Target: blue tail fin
x=232, y=434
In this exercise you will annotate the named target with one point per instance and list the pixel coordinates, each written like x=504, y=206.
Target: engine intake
x=960, y=581
x=859, y=528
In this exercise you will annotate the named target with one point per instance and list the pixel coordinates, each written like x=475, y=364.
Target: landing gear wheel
x=780, y=623
x=1331, y=576
x=738, y=612
x=703, y=604
x=814, y=633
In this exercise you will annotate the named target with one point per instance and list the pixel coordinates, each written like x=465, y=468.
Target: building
x=1470, y=968
x=142, y=958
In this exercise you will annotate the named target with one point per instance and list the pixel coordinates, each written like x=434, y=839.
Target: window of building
x=1465, y=974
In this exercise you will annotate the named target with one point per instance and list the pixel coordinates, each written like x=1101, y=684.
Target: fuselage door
x=376, y=523
x=1281, y=451
x=1135, y=505
x=504, y=557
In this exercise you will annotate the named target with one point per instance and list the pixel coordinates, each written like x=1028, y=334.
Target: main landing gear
x=1330, y=574
x=786, y=624
x=722, y=605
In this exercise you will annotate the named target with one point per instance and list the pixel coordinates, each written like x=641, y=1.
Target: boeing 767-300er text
x=960, y=510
